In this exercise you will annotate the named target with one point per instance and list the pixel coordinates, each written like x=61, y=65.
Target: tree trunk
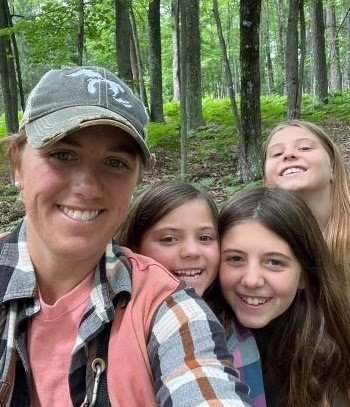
x=292, y=78
x=193, y=66
x=123, y=34
x=319, y=52
x=334, y=61
x=140, y=81
x=8, y=74
x=249, y=150
x=228, y=75
x=347, y=49
x=269, y=67
x=183, y=85
x=80, y=38
x=281, y=43
x=175, y=41
x=155, y=62
x=302, y=55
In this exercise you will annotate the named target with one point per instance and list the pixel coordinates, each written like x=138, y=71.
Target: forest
x=182, y=55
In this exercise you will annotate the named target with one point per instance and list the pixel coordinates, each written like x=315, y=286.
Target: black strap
x=102, y=352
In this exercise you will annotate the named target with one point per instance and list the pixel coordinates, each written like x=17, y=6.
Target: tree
x=250, y=145
x=80, y=37
x=292, y=77
x=319, y=52
x=175, y=42
x=335, y=82
x=8, y=72
x=155, y=62
x=227, y=68
x=123, y=38
x=191, y=41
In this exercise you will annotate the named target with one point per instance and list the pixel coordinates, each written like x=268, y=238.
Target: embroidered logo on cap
x=95, y=78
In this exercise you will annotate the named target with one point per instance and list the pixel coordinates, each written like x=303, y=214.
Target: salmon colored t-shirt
x=51, y=338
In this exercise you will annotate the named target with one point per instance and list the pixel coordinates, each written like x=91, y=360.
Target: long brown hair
x=337, y=232
x=308, y=356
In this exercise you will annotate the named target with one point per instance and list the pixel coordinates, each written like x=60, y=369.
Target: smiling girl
x=277, y=279
x=300, y=156
x=175, y=223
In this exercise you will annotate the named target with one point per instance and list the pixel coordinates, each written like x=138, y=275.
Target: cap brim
x=52, y=127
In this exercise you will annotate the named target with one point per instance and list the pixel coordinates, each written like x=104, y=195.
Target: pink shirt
x=50, y=358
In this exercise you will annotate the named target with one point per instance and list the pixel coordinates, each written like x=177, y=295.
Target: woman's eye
x=116, y=163
x=63, y=155
x=304, y=148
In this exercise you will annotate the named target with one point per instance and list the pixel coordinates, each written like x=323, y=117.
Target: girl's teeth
x=254, y=301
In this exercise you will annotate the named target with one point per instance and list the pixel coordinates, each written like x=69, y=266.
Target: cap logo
x=95, y=78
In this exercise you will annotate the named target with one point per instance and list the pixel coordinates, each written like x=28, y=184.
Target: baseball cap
x=69, y=99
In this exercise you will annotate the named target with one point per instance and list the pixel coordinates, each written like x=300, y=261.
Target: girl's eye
x=304, y=148
x=276, y=263
x=206, y=238
x=235, y=259
x=168, y=239
x=62, y=155
x=275, y=153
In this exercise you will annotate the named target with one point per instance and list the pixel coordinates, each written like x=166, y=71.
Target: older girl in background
x=175, y=223
x=277, y=278
x=301, y=157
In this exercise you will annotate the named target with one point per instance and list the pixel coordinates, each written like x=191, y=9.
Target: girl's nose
x=253, y=277
x=189, y=249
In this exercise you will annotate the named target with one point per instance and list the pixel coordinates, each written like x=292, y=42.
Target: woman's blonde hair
x=337, y=232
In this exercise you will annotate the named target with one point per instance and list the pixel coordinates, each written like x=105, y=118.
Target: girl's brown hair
x=155, y=203
x=308, y=356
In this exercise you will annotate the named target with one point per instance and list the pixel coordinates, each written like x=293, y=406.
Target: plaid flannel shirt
x=180, y=329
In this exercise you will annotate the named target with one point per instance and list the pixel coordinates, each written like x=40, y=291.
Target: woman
x=71, y=299
x=300, y=156
x=277, y=279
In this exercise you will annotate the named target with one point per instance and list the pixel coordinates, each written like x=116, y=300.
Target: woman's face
x=297, y=160
x=77, y=192
x=259, y=274
x=185, y=241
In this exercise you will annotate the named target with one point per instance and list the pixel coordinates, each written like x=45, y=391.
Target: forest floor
x=167, y=165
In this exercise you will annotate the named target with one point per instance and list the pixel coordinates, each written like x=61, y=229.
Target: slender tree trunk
x=183, y=85
x=155, y=62
x=140, y=80
x=334, y=60
x=347, y=49
x=281, y=43
x=319, y=52
x=228, y=75
x=8, y=74
x=292, y=78
x=269, y=67
x=249, y=151
x=175, y=42
x=302, y=55
x=193, y=66
x=123, y=34
x=80, y=39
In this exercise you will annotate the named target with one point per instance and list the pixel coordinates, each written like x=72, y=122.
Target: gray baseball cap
x=69, y=99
